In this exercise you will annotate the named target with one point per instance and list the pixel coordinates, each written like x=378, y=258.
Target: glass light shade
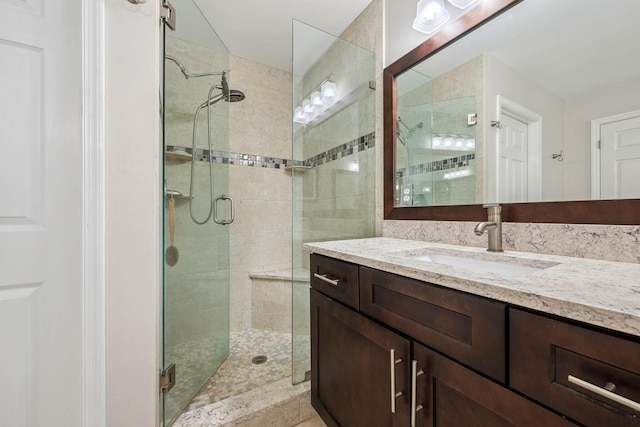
x=329, y=91
x=471, y=143
x=299, y=116
x=430, y=16
x=306, y=106
x=448, y=141
x=463, y=4
x=316, y=101
x=436, y=141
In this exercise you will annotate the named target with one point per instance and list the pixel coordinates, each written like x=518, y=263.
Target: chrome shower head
x=235, y=96
x=231, y=96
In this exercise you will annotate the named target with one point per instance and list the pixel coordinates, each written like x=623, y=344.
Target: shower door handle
x=232, y=209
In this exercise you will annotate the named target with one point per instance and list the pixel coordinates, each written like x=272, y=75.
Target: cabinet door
x=450, y=395
x=359, y=369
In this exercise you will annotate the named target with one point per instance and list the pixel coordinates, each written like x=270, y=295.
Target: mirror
x=513, y=111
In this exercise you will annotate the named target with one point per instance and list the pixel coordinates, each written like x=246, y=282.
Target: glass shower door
x=195, y=330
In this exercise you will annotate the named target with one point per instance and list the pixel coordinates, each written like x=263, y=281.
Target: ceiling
x=261, y=30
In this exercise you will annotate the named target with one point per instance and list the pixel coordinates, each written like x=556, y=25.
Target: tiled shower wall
x=261, y=234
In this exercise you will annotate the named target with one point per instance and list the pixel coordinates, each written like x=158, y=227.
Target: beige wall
x=260, y=237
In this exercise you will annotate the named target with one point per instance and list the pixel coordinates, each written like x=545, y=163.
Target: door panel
x=40, y=213
x=513, y=173
x=620, y=159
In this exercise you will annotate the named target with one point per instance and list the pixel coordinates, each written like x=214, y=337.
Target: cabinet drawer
x=465, y=327
x=336, y=279
x=555, y=362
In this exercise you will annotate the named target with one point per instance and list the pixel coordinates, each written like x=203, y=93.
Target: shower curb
x=281, y=401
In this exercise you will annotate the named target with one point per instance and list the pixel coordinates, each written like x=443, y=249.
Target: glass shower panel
x=196, y=284
x=334, y=153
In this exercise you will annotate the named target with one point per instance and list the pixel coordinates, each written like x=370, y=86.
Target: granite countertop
x=601, y=293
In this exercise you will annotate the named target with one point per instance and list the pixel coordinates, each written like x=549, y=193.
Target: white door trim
x=595, y=147
x=93, y=213
x=533, y=121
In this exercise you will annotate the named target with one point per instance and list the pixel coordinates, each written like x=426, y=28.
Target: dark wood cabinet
x=357, y=365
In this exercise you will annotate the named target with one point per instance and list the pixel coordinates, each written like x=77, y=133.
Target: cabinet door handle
x=414, y=387
x=604, y=393
x=393, y=362
x=324, y=278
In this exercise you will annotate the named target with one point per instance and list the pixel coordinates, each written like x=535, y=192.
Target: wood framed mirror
x=618, y=211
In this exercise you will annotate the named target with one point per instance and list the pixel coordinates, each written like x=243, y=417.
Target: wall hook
x=558, y=157
x=496, y=124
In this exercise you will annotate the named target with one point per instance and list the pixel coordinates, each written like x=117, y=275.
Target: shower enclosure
x=236, y=296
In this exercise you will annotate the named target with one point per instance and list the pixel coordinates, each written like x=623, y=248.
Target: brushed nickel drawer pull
x=393, y=362
x=414, y=380
x=324, y=278
x=604, y=392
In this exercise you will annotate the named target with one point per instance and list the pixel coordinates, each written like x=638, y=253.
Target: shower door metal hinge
x=168, y=378
x=472, y=119
x=168, y=15
x=372, y=84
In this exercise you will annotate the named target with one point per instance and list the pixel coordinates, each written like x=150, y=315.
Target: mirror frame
x=622, y=212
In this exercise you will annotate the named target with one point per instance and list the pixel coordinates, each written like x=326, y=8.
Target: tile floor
x=314, y=422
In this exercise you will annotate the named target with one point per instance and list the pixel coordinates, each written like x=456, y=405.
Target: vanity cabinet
x=412, y=354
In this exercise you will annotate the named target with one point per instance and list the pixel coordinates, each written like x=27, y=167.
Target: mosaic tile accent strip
x=222, y=157
x=440, y=165
x=354, y=146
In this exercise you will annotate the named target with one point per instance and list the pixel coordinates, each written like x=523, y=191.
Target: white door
x=41, y=359
x=620, y=159
x=512, y=161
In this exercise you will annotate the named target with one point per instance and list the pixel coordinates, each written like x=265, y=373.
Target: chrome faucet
x=493, y=227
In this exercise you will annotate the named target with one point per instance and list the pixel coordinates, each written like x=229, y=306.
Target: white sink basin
x=505, y=268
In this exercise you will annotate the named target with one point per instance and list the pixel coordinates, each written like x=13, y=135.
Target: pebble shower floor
x=238, y=374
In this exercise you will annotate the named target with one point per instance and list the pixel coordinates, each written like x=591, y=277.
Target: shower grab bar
x=232, y=208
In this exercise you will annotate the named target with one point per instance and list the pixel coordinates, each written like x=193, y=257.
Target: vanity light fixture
x=430, y=16
x=317, y=102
